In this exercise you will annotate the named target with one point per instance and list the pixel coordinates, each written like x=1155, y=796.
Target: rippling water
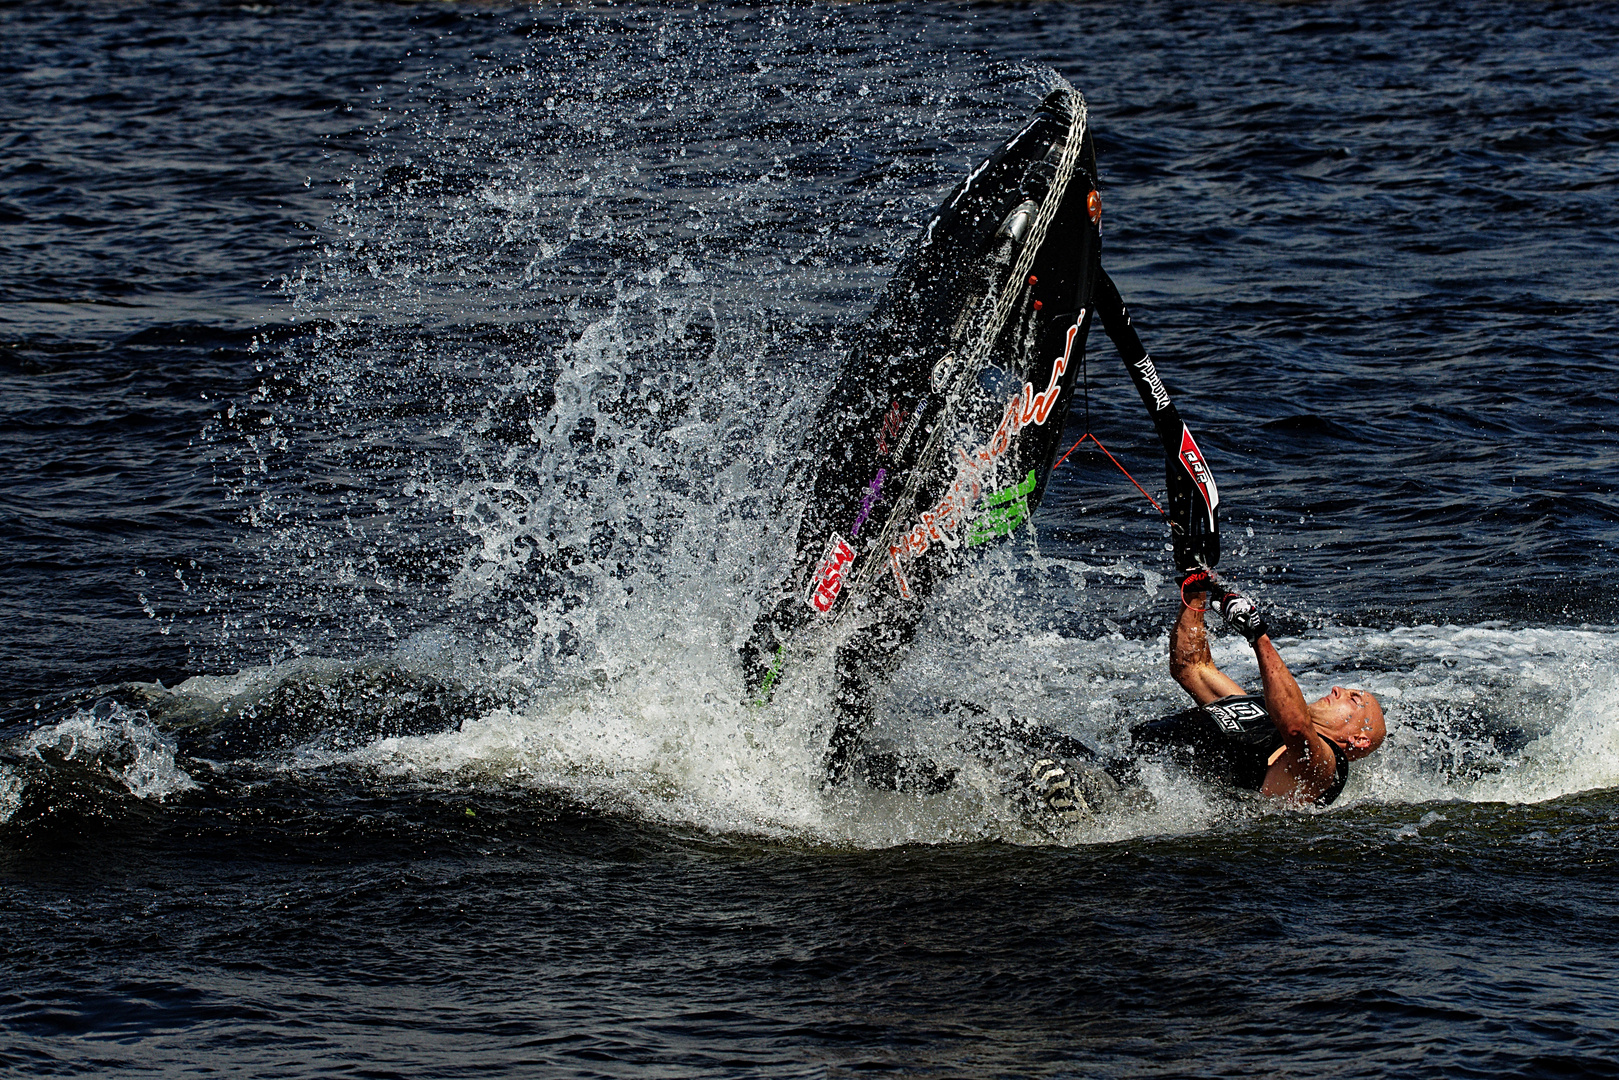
x=399, y=402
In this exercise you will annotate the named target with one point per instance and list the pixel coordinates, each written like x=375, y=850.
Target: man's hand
x=1241, y=614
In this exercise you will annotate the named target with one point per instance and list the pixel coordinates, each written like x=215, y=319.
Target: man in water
x=1275, y=743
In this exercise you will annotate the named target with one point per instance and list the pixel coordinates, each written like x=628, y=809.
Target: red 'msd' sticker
x=828, y=579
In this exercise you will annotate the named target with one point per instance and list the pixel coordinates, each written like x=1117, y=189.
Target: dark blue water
x=398, y=402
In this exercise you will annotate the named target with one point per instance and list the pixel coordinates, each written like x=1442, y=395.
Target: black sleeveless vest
x=1229, y=741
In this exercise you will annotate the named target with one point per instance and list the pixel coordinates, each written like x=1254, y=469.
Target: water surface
x=399, y=404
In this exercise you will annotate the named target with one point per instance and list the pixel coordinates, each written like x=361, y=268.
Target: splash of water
x=109, y=749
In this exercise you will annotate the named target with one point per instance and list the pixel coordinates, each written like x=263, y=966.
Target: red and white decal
x=828, y=579
x=940, y=524
x=1202, y=475
x=892, y=422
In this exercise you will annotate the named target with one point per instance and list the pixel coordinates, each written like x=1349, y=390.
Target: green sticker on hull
x=1005, y=510
x=770, y=678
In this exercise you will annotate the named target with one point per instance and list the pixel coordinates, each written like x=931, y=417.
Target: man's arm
x=1283, y=698
x=1191, y=663
x=1306, y=766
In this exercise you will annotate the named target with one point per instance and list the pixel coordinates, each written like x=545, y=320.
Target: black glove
x=1241, y=614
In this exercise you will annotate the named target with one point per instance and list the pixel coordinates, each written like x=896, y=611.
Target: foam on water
x=109, y=743
x=123, y=744
x=1475, y=714
x=12, y=788
x=1490, y=713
